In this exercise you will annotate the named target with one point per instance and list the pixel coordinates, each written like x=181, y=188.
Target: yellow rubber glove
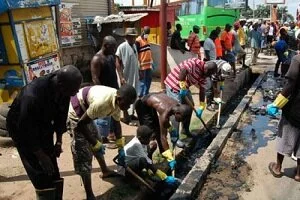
x=97, y=146
x=202, y=105
x=182, y=85
x=160, y=174
x=120, y=142
x=168, y=155
x=280, y=101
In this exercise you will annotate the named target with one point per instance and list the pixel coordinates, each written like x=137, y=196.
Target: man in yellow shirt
x=90, y=103
x=242, y=35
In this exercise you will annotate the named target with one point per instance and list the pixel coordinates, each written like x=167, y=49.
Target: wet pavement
x=241, y=172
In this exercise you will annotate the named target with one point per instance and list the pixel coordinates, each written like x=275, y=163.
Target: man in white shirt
x=210, y=47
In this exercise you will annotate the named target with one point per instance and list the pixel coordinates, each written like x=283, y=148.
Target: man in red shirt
x=227, y=44
x=190, y=72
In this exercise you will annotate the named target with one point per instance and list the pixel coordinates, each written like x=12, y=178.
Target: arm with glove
x=283, y=97
x=202, y=106
x=169, y=180
x=182, y=83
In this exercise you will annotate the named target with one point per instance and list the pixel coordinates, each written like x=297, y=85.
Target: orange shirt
x=194, y=43
x=219, y=52
x=227, y=38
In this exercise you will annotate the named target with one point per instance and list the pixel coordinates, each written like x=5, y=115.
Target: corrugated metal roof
x=121, y=17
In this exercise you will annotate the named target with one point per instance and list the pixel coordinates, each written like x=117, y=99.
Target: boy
x=137, y=156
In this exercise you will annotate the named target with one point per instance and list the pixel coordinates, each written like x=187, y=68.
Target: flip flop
x=271, y=167
x=110, y=175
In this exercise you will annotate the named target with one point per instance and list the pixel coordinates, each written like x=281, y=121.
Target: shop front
x=29, y=43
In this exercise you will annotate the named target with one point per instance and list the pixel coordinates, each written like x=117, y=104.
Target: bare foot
x=297, y=178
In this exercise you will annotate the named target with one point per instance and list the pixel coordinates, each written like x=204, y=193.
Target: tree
x=284, y=15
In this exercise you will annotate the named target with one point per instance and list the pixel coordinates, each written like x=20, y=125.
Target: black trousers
x=36, y=174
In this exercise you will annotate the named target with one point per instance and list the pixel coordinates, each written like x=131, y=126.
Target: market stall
x=29, y=46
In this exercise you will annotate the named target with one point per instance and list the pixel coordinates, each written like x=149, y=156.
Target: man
x=89, y=104
x=227, y=42
x=212, y=83
x=288, y=139
x=103, y=69
x=255, y=41
x=264, y=31
x=242, y=35
x=194, y=41
x=145, y=60
x=147, y=109
x=292, y=41
x=138, y=156
x=176, y=41
x=190, y=72
x=219, y=49
x=38, y=111
x=281, y=48
x=127, y=67
x=239, y=51
x=210, y=47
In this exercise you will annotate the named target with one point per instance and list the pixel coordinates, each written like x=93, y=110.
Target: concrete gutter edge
x=195, y=179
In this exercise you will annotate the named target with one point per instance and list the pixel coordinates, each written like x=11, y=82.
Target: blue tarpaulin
x=13, y=4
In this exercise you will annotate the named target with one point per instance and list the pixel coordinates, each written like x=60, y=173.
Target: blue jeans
x=145, y=81
x=103, y=126
x=187, y=121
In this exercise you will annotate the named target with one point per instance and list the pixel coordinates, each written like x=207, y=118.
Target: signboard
x=41, y=37
x=275, y=1
x=41, y=67
x=22, y=42
x=70, y=27
x=13, y=4
x=235, y=4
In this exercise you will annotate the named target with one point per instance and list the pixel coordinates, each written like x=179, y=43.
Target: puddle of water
x=231, y=173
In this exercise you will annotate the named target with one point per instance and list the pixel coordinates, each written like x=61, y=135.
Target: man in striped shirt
x=190, y=72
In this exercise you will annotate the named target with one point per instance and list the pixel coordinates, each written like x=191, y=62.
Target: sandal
x=271, y=168
x=111, y=174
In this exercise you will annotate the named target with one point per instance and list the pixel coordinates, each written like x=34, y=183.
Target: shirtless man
x=147, y=109
x=103, y=70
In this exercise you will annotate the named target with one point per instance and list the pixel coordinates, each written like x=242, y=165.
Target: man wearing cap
x=145, y=60
x=194, y=42
x=239, y=51
x=227, y=45
x=127, y=65
x=212, y=92
x=190, y=72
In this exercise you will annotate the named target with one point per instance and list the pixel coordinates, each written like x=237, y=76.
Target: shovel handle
x=194, y=109
x=129, y=170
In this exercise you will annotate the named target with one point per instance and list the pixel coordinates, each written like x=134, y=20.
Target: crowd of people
x=122, y=78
